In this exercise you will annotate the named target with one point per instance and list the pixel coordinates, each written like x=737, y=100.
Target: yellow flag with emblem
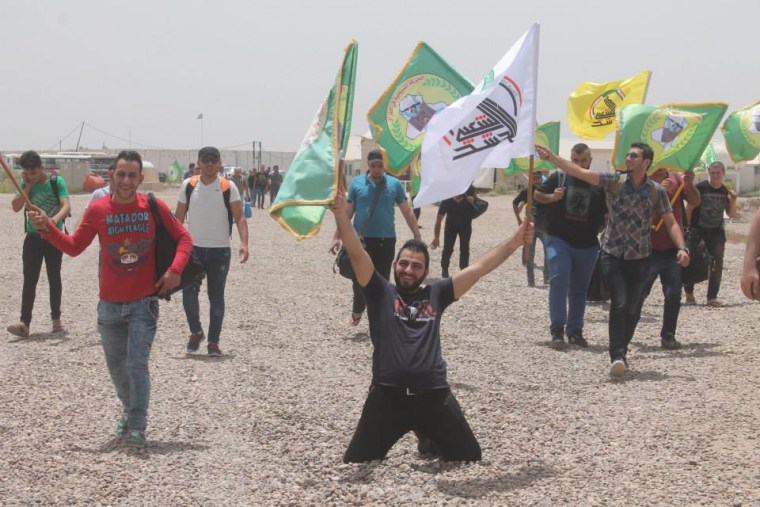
x=592, y=107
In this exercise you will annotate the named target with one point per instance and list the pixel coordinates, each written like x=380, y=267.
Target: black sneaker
x=558, y=337
x=577, y=339
x=669, y=342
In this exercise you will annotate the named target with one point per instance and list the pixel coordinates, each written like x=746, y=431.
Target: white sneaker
x=618, y=367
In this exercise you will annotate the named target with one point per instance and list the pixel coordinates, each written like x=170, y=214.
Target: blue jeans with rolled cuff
x=216, y=263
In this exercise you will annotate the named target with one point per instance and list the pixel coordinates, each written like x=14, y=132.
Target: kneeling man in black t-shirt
x=409, y=390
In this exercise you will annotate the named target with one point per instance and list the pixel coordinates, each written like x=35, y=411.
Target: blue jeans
x=126, y=333
x=529, y=263
x=216, y=262
x=571, y=269
x=625, y=279
x=664, y=263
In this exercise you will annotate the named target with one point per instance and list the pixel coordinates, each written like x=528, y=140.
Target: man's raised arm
x=573, y=170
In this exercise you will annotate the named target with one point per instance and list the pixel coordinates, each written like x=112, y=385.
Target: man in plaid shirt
x=632, y=200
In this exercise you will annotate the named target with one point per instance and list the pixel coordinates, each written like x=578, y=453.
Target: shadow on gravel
x=459, y=386
x=362, y=474
x=477, y=488
x=207, y=359
x=55, y=337
x=688, y=350
x=359, y=337
x=154, y=447
x=648, y=376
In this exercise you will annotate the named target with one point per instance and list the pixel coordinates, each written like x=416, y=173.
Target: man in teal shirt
x=376, y=224
x=50, y=194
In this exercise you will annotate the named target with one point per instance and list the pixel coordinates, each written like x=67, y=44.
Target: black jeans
x=389, y=414
x=382, y=252
x=625, y=279
x=35, y=250
x=450, y=232
x=715, y=242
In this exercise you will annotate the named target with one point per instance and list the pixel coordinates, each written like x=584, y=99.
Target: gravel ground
x=267, y=423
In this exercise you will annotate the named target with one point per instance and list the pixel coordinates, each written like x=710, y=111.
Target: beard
x=407, y=286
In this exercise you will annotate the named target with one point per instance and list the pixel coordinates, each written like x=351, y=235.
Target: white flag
x=488, y=128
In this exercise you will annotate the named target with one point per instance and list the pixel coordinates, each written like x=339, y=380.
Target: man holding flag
x=632, y=201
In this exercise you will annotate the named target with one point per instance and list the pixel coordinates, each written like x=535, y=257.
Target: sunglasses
x=210, y=160
x=632, y=156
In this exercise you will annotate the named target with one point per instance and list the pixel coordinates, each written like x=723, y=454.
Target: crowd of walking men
x=642, y=216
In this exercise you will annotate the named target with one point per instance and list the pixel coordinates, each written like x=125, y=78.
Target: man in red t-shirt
x=663, y=262
x=129, y=283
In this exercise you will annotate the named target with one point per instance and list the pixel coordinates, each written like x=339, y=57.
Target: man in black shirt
x=458, y=212
x=409, y=390
x=574, y=216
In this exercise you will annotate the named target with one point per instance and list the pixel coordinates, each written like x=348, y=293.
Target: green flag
x=547, y=135
x=314, y=175
x=677, y=133
x=742, y=132
x=425, y=86
x=706, y=160
x=175, y=172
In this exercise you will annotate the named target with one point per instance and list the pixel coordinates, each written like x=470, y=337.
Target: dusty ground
x=268, y=422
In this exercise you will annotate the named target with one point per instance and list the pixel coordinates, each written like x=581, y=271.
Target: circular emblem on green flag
x=413, y=104
x=749, y=124
x=668, y=132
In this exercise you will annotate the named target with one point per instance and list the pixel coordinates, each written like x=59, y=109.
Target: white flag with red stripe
x=488, y=128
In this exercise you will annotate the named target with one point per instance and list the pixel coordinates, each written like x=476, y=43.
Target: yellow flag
x=591, y=107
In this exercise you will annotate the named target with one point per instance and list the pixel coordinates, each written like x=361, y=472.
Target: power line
x=129, y=141
x=78, y=125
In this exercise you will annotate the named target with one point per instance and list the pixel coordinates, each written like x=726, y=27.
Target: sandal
x=20, y=330
x=355, y=318
x=57, y=326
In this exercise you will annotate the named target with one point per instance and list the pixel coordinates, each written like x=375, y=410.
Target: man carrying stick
x=128, y=306
x=50, y=194
x=632, y=201
x=409, y=390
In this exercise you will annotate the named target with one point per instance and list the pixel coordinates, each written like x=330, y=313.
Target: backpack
x=225, y=183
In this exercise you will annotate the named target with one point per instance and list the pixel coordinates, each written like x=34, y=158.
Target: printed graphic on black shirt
x=419, y=311
x=577, y=203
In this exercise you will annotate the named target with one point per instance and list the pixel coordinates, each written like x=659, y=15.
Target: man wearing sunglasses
x=632, y=201
x=213, y=204
x=409, y=390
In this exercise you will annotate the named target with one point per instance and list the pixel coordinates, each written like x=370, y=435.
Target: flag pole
x=21, y=192
x=529, y=207
x=672, y=202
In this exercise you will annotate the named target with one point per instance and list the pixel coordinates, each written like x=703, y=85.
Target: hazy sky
x=257, y=70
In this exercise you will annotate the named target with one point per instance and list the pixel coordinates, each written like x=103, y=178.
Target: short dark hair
x=717, y=163
x=30, y=160
x=416, y=245
x=646, y=151
x=580, y=148
x=130, y=156
x=192, y=165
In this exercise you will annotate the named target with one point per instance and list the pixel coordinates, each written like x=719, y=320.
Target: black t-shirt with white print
x=405, y=330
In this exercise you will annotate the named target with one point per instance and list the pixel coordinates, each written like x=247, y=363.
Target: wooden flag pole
x=529, y=208
x=672, y=202
x=15, y=183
